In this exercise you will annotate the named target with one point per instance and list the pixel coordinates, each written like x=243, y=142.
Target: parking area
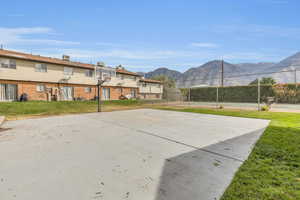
x=135, y=154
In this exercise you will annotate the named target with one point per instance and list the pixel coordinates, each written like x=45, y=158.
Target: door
x=105, y=93
x=8, y=92
x=67, y=93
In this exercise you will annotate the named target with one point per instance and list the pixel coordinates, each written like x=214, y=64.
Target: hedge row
x=287, y=93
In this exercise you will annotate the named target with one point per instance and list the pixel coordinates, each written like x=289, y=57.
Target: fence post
x=296, y=86
x=258, y=93
x=189, y=94
x=217, y=100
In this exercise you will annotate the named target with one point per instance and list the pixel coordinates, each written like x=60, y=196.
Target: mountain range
x=209, y=73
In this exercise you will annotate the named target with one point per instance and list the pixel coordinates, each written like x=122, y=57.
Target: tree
x=264, y=81
x=167, y=81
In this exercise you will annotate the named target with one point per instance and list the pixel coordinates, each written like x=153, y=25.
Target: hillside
x=210, y=72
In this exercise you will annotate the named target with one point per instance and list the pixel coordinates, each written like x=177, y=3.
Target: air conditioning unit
x=66, y=57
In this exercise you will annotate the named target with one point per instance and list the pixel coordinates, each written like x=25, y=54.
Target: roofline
x=150, y=81
x=55, y=61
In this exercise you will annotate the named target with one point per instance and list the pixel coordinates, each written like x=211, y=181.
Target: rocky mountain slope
x=210, y=72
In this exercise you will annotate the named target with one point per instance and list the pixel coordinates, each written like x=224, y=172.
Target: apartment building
x=37, y=77
x=150, y=89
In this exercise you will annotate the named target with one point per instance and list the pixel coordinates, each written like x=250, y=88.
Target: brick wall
x=30, y=88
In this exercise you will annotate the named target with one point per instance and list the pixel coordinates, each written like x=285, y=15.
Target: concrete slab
x=138, y=154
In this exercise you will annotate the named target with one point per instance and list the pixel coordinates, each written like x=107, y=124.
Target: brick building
x=44, y=78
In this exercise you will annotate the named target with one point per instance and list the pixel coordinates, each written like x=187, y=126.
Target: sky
x=143, y=35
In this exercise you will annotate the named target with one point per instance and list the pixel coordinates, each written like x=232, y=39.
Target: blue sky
x=144, y=35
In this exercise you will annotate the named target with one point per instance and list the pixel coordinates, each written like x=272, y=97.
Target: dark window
x=8, y=63
x=40, y=67
x=89, y=73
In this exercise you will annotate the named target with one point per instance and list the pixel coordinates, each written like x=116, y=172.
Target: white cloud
x=204, y=45
x=15, y=15
x=16, y=36
x=133, y=54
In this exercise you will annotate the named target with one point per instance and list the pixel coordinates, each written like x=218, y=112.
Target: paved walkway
x=138, y=154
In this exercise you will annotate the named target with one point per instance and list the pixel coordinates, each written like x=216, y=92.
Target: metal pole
x=217, y=100
x=99, y=97
x=222, y=75
x=189, y=95
x=258, y=93
x=296, y=86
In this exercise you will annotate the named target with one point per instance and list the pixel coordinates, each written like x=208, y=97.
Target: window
x=8, y=63
x=120, y=76
x=40, y=88
x=133, y=93
x=88, y=89
x=144, y=84
x=89, y=73
x=40, y=67
x=158, y=85
x=68, y=70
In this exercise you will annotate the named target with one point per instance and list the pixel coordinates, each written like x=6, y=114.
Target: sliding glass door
x=67, y=93
x=8, y=92
x=105, y=93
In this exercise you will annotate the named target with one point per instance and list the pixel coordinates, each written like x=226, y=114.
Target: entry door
x=67, y=93
x=105, y=93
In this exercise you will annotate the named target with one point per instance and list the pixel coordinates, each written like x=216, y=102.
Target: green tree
x=167, y=81
x=264, y=81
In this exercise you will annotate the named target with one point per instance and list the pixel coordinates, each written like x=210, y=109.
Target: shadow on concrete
x=205, y=173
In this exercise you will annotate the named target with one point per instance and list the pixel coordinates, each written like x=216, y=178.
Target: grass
x=19, y=110
x=272, y=170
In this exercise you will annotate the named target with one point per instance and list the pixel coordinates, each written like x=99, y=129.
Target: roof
x=25, y=56
x=150, y=80
x=123, y=71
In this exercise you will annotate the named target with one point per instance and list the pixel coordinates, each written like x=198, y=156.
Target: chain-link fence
x=255, y=90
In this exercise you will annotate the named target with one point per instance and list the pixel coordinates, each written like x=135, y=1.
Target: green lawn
x=273, y=169
x=17, y=110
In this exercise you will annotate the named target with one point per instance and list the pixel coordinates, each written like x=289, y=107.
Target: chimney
x=101, y=64
x=120, y=67
x=66, y=58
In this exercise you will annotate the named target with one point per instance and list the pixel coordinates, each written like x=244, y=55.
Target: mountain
x=235, y=74
x=293, y=60
x=207, y=74
x=164, y=71
x=255, y=67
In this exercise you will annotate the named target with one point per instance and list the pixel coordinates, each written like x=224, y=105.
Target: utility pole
x=258, y=93
x=222, y=73
x=296, y=86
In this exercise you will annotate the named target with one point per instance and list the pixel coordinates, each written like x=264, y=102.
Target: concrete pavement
x=137, y=154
